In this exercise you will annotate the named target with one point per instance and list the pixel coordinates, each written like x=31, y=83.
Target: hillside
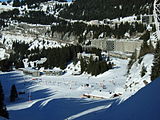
x=80, y=60
x=144, y=105
x=60, y=27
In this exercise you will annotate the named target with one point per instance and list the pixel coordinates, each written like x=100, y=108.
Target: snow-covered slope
x=60, y=97
x=5, y=8
x=135, y=81
x=34, y=42
x=144, y=105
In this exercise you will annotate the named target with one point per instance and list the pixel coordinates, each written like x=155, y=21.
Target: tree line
x=33, y=17
x=18, y=3
x=81, y=29
x=31, y=3
x=56, y=57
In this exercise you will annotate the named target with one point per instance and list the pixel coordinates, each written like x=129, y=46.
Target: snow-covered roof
x=55, y=69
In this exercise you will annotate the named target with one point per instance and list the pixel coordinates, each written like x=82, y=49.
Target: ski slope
x=144, y=105
x=44, y=101
x=61, y=97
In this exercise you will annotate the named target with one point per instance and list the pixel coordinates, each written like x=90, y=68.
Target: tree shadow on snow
x=58, y=109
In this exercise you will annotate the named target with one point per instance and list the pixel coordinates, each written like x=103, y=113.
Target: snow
x=2, y=53
x=127, y=35
x=144, y=105
x=100, y=94
x=61, y=97
x=57, y=102
x=87, y=112
x=60, y=93
x=101, y=35
x=134, y=81
x=5, y=8
x=125, y=19
x=2, y=118
x=31, y=40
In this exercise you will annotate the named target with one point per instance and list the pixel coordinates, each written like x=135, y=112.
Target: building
x=56, y=72
x=122, y=45
x=87, y=56
x=126, y=46
x=147, y=19
x=30, y=71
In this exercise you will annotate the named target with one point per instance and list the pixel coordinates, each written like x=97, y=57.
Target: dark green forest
x=102, y=9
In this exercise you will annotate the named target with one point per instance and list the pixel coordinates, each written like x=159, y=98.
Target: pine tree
x=1, y=93
x=151, y=46
x=3, y=110
x=13, y=94
x=16, y=3
x=131, y=61
x=83, y=65
x=62, y=0
x=145, y=48
x=145, y=36
x=156, y=64
x=143, y=72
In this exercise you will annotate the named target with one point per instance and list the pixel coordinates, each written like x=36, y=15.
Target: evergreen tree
x=145, y=48
x=13, y=94
x=61, y=0
x=151, y=47
x=143, y=72
x=83, y=65
x=5, y=65
x=131, y=61
x=3, y=110
x=145, y=36
x=156, y=64
x=1, y=94
x=16, y=3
